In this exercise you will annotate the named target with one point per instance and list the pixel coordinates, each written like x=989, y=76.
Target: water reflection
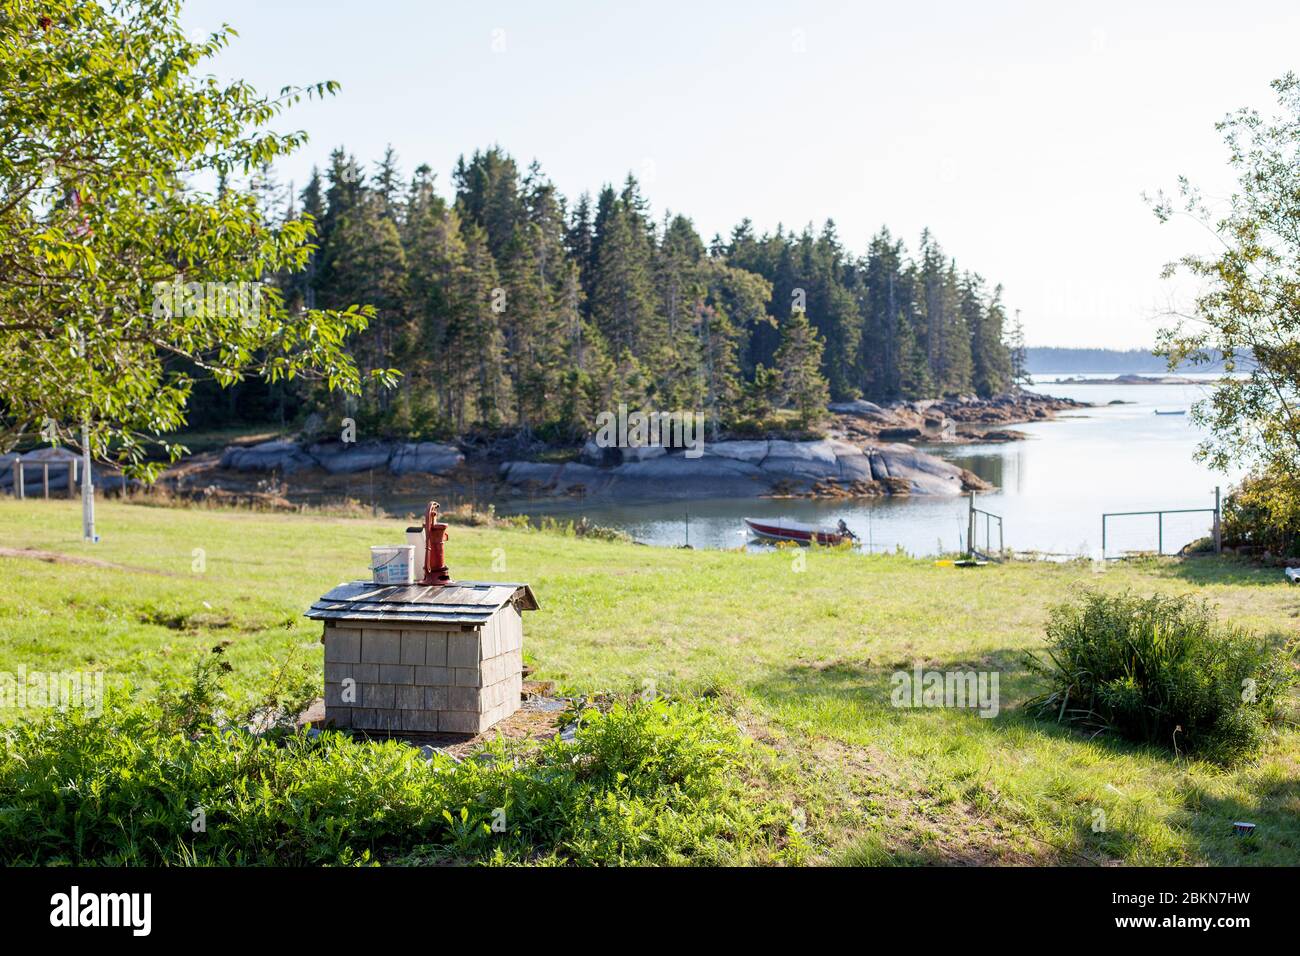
x=1051, y=488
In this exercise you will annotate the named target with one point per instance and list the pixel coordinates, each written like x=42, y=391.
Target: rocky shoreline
x=863, y=455
x=824, y=468
x=965, y=420
x=751, y=468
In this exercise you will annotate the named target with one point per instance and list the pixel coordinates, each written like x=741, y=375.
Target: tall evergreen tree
x=502, y=307
x=735, y=303
x=914, y=378
x=487, y=191
x=990, y=356
x=388, y=186
x=884, y=297
x=833, y=309
x=475, y=345
x=367, y=263
x=1016, y=353
x=624, y=305
x=798, y=360
x=955, y=366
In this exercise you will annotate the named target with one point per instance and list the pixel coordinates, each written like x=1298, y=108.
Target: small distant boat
x=1175, y=411
x=782, y=529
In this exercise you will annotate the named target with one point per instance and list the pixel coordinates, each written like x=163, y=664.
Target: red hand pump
x=435, y=537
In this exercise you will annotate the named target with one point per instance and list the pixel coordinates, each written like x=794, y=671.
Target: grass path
x=804, y=644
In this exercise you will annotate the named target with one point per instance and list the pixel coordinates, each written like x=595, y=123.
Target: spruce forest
x=510, y=308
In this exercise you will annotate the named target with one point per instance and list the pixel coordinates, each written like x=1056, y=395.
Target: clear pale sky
x=1022, y=136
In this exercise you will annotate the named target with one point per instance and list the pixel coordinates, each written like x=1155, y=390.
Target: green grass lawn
x=804, y=644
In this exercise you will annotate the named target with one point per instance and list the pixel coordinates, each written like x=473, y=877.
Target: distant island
x=1128, y=380
x=1047, y=360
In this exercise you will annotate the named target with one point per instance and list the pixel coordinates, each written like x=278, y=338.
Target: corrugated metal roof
x=465, y=602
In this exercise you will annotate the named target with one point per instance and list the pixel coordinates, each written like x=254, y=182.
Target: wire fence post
x=1218, y=524
x=970, y=527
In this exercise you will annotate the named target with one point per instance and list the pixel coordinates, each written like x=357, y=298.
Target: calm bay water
x=1052, y=488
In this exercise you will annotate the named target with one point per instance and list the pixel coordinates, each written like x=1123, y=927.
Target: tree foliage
x=121, y=231
x=1247, y=314
x=502, y=304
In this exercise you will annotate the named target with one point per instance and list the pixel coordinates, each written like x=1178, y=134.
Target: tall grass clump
x=663, y=782
x=1161, y=670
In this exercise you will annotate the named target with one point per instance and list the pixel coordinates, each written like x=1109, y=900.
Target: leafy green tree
x=105, y=118
x=1247, y=314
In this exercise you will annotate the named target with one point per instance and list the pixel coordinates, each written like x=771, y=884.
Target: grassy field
x=804, y=644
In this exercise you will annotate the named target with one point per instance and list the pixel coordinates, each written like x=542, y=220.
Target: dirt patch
x=541, y=716
x=55, y=557
x=861, y=789
x=920, y=828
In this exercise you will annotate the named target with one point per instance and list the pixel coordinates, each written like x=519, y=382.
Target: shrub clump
x=663, y=782
x=1262, y=514
x=1161, y=670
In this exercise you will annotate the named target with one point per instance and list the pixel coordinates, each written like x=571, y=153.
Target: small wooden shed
x=412, y=659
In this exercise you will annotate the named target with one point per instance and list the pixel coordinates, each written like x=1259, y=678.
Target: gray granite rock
x=348, y=458
x=285, y=457
x=856, y=407
x=926, y=474
x=339, y=458
x=426, y=457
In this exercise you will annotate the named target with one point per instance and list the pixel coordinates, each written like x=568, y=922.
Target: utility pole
x=87, y=488
x=87, y=478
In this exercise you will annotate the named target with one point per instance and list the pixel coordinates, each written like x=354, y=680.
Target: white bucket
x=392, y=564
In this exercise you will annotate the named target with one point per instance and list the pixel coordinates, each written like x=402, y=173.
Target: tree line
x=505, y=306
